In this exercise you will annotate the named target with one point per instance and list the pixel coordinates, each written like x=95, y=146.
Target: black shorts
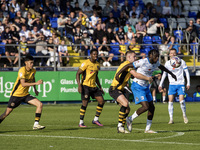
x=115, y=93
x=16, y=101
x=90, y=91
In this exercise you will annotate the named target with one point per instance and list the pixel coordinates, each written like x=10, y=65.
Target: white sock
x=183, y=107
x=163, y=98
x=119, y=125
x=148, y=126
x=81, y=122
x=96, y=118
x=135, y=115
x=170, y=110
x=154, y=98
x=36, y=123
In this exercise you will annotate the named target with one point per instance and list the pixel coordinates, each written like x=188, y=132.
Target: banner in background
x=57, y=86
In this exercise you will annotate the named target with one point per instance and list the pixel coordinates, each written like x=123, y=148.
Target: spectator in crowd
x=97, y=8
x=68, y=8
x=111, y=24
x=159, y=8
x=154, y=88
x=126, y=7
x=2, y=51
x=11, y=51
x=107, y=9
x=133, y=20
x=5, y=22
x=36, y=8
x=123, y=18
x=52, y=50
x=98, y=33
x=19, y=15
x=76, y=8
x=48, y=9
x=15, y=5
x=123, y=49
x=139, y=38
x=138, y=8
x=23, y=46
x=167, y=10
x=36, y=22
x=133, y=10
x=87, y=9
x=29, y=21
x=103, y=25
x=69, y=28
x=141, y=28
x=173, y=44
x=191, y=28
x=163, y=2
x=176, y=10
x=35, y=31
x=77, y=37
x=56, y=40
x=1, y=27
x=11, y=14
x=72, y=17
x=130, y=34
x=6, y=34
x=134, y=46
x=94, y=20
x=1, y=16
x=84, y=49
x=152, y=27
x=196, y=94
x=57, y=8
x=120, y=35
x=62, y=50
x=154, y=14
x=46, y=32
x=166, y=37
x=104, y=52
x=126, y=27
x=110, y=35
x=14, y=32
x=87, y=40
x=44, y=19
x=24, y=32
x=82, y=20
x=115, y=11
x=41, y=50
x=61, y=23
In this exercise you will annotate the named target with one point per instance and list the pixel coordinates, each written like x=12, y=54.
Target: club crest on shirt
x=82, y=64
x=137, y=99
x=20, y=74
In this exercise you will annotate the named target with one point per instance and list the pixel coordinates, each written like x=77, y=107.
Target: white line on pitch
x=100, y=139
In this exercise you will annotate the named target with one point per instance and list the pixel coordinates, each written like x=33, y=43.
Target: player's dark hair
x=129, y=52
x=28, y=57
x=172, y=49
x=93, y=50
x=154, y=53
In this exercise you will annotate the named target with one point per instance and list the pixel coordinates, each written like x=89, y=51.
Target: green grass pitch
x=62, y=131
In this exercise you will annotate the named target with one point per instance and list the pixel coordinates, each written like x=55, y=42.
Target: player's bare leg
x=164, y=93
x=171, y=108
x=38, y=113
x=154, y=94
x=183, y=108
x=99, y=109
x=123, y=113
x=150, y=118
x=5, y=114
x=82, y=113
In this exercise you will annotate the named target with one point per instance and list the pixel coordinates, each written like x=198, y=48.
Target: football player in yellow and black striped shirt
x=116, y=90
x=88, y=87
x=25, y=79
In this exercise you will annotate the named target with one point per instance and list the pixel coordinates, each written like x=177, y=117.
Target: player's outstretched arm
x=130, y=65
x=24, y=84
x=188, y=78
x=79, y=72
x=98, y=83
x=161, y=81
x=163, y=68
x=140, y=76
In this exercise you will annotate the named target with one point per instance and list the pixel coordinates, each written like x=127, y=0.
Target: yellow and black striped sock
x=37, y=117
x=99, y=110
x=122, y=114
x=82, y=112
x=124, y=120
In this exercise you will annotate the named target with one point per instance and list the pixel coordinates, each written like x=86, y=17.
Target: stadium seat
x=157, y=39
x=192, y=15
x=186, y=3
x=147, y=40
x=185, y=13
x=53, y=22
x=164, y=21
x=32, y=51
x=194, y=3
x=114, y=48
x=172, y=23
x=181, y=22
x=178, y=34
x=192, y=47
x=186, y=7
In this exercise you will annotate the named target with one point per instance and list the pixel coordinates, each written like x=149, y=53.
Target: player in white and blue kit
x=141, y=91
x=176, y=86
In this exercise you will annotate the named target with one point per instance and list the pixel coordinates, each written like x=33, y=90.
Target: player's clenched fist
x=39, y=82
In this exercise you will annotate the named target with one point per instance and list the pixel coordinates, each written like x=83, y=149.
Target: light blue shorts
x=179, y=89
x=141, y=93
